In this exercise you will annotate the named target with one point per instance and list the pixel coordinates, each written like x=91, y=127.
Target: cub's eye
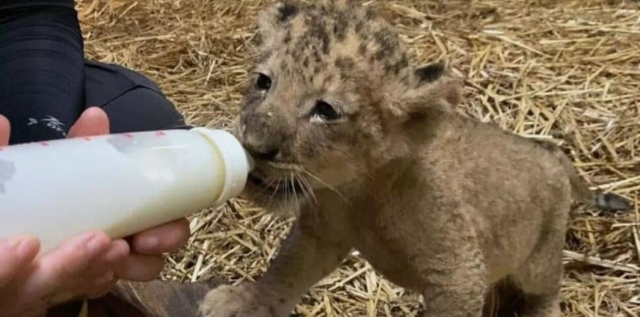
x=263, y=82
x=325, y=112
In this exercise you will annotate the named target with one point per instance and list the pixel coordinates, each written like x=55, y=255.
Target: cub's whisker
x=325, y=184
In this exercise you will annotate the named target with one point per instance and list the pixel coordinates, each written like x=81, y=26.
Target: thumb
x=93, y=121
x=5, y=130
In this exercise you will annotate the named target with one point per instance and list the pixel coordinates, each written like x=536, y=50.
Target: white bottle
x=119, y=183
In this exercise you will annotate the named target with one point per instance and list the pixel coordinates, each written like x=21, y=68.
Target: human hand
x=145, y=261
x=87, y=265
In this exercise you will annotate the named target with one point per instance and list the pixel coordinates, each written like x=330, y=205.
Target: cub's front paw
x=240, y=301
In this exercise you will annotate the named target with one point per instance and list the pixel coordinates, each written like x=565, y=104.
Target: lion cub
x=365, y=149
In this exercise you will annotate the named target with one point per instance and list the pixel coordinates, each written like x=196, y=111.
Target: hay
x=568, y=71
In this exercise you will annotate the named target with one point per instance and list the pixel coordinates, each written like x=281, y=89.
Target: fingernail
x=26, y=245
x=149, y=243
x=95, y=244
x=106, y=278
x=15, y=243
x=20, y=244
x=115, y=255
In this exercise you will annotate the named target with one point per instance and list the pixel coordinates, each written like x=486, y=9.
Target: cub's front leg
x=305, y=258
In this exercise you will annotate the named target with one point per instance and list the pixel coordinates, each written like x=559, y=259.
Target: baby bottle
x=118, y=183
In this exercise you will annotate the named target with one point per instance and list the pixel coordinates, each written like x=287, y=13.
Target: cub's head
x=329, y=99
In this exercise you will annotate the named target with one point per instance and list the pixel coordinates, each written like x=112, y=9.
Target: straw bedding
x=562, y=70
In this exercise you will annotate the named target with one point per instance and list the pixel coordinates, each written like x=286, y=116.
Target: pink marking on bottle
x=87, y=139
x=128, y=135
x=160, y=133
x=44, y=144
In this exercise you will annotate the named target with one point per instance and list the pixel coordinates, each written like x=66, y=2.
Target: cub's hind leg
x=539, y=281
x=503, y=299
x=540, y=276
x=528, y=294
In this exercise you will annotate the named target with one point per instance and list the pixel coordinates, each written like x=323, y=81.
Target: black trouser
x=46, y=84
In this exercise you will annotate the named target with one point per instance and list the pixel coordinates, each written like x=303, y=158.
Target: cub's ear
x=430, y=73
x=274, y=21
x=437, y=84
x=433, y=88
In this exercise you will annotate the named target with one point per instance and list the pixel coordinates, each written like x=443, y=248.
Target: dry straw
x=562, y=70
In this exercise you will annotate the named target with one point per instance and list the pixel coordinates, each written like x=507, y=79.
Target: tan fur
x=437, y=202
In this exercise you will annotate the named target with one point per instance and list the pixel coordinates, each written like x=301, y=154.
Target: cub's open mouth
x=276, y=185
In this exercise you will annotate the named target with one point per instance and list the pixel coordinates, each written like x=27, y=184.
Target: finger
x=62, y=267
x=117, y=253
x=100, y=277
x=141, y=268
x=15, y=255
x=33, y=310
x=169, y=237
x=93, y=121
x=103, y=269
x=102, y=285
x=5, y=130
x=113, y=257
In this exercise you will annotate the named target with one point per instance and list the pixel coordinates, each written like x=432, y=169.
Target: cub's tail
x=580, y=190
x=610, y=202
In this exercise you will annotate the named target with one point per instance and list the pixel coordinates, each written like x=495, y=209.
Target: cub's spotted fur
x=364, y=148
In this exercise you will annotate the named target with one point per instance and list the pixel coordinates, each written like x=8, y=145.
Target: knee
x=132, y=101
x=142, y=109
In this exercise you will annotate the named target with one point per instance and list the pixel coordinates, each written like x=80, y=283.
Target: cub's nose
x=261, y=147
x=261, y=138
x=262, y=152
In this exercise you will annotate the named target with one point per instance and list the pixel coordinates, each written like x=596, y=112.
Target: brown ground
x=568, y=70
